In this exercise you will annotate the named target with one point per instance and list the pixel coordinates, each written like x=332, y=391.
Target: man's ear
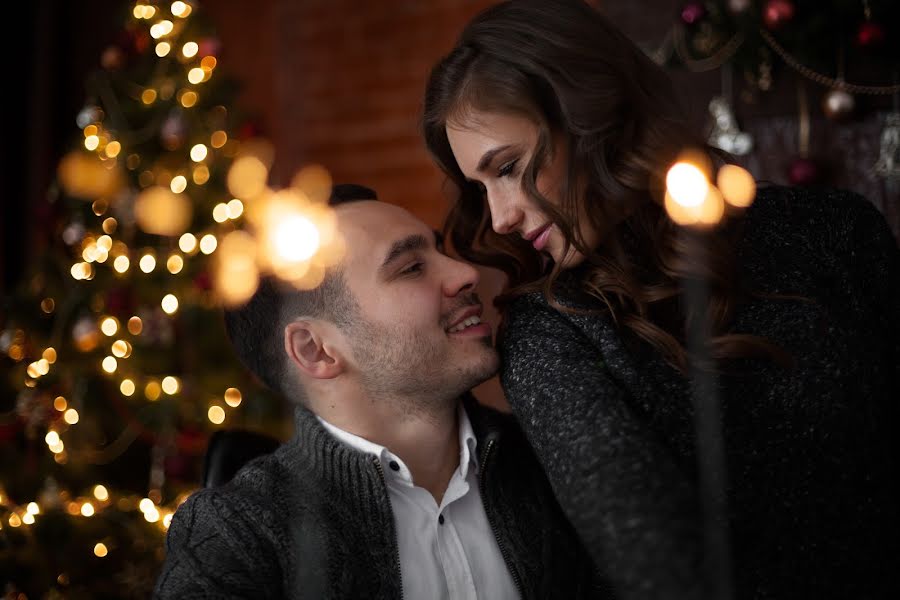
x=309, y=345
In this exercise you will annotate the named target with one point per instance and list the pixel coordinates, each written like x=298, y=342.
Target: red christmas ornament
x=248, y=130
x=112, y=58
x=119, y=302
x=870, y=34
x=209, y=47
x=203, y=281
x=692, y=12
x=803, y=171
x=777, y=13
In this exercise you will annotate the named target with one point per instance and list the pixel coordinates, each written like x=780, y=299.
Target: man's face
x=418, y=333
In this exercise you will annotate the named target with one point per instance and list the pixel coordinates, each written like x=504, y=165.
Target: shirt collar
x=468, y=444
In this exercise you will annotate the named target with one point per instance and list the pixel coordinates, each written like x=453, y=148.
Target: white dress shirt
x=447, y=551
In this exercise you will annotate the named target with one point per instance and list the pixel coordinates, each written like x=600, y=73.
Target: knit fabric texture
x=314, y=520
x=810, y=451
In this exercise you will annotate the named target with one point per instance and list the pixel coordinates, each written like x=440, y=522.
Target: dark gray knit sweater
x=314, y=520
x=811, y=457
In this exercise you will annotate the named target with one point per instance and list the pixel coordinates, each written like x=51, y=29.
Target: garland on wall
x=848, y=49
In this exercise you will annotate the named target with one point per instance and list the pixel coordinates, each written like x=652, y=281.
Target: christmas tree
x=116, y=367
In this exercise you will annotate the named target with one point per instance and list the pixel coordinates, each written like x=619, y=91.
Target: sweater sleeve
x=215, y=549
x=635, y=511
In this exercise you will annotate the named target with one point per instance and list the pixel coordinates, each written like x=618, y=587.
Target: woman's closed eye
x=507, y=169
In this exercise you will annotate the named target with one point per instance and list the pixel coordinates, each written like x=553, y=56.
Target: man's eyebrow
x=489, y=156
x=410, y=243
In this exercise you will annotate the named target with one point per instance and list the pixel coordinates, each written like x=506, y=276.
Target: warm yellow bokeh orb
x=164, y=212
x=170, y=385
x=121, y=264
x=101, y=493
x=199, y=153
x=152, y=390
x=208, y=244
x=169, y=304
x=110, y=364
x=220, y=212
x=147, y=263
x=233, y=397
x=175, y=264
x=187, y=243
x=235, y=272
x=216, y=414
x=135, y=326
x=127, y=387
x=86, y=176
x=737, y=185
x=109, y=326
x=100, y=549
x=196, y=75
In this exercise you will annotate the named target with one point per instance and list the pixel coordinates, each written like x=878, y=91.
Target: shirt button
x=441, y=519
x=394, y=466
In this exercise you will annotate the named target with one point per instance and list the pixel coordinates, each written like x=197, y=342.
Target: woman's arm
x=636, y=512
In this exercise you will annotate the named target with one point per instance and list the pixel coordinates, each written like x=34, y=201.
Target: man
x=392, y=486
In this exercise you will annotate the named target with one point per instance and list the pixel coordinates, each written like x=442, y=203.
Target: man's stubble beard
x=412, y=370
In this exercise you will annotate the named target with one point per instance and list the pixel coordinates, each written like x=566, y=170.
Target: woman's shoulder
x=820, y=218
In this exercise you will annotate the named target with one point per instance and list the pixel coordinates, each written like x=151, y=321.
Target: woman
x=557, y=132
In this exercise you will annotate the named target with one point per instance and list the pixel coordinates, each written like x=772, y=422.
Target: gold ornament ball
x=160, y=211
x=838, y=104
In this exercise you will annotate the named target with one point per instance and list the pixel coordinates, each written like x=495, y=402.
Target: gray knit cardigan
x=313, y=520
x=811, y=452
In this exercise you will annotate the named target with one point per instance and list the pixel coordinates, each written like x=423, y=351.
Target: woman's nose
x=505, y=214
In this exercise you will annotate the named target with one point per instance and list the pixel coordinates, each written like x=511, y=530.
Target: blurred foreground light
x=687, y=184
x=314, y=181
x=737, y=186
x=164, y=212
x=235, y=272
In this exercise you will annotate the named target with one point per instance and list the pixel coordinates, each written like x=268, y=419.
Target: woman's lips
x=541, y=240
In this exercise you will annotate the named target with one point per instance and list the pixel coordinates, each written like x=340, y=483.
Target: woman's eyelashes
x=507, y=169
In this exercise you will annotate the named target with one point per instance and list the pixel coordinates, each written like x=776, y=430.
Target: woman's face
x=493, y=149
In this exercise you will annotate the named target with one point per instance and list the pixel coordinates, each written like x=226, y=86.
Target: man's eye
x=413, y=269
x=507, y=169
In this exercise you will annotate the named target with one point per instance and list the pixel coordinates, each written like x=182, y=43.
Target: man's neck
x=426, y=441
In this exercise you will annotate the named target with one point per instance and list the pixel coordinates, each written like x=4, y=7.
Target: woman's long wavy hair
x=564, y=67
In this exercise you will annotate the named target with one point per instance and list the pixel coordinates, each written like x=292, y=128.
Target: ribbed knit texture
x=811, y=451
x=313, y=520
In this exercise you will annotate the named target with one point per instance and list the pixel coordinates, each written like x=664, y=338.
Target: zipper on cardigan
x=489, y=512
x=394, y=528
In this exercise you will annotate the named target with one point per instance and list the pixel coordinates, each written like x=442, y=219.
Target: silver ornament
x=725, y=133
x=888, y=164
x=838, y=104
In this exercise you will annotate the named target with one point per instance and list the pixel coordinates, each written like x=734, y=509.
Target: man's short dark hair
x=256, y=329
